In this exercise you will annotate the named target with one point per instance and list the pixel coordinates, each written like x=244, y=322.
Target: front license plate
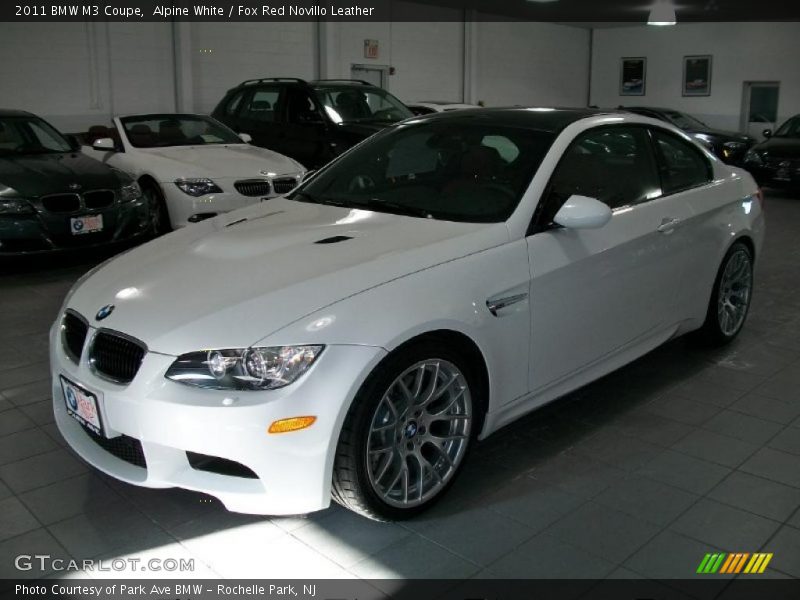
x=82, y=406
x=88, y=224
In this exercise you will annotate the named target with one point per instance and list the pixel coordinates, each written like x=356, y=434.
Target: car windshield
x=353, y=104
x=158, y=131
x=452, y=170
x=789, y=129
x=30, y=135
x=684, y=121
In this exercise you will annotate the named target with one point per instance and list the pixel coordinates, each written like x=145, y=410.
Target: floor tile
x=24, y=444
x=416, y=558
x=15, y=519
x=647, y=499
x=477, y=534
x=546, y=557
x=347, y=538
x=669, y=555
x=40, y=470
x=713, y=447
x=14, y=420
x=775, y=465
x=743, y=427
x=30, y=544
x=787, y=440
x=785, y=546
x=683, y=410
x=757, y=495
x=535, y=503
x=85, y=493
x=769, y=409
x=614, y=447
x=603, y=531
x=684, y=472
x=725, y=527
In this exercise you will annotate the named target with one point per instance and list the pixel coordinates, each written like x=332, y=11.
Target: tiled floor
x=681, y=453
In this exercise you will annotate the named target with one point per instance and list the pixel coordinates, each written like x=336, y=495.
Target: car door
x=260, y=116
x=598, y=292
x=685, y=177
x=304, y=132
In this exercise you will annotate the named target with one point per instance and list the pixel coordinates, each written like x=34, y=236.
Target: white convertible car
x=434, y=283
x=191, y=167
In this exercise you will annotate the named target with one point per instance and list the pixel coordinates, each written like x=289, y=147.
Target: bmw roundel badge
x=104, y=312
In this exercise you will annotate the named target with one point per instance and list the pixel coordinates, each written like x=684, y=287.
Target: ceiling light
x=662, y=13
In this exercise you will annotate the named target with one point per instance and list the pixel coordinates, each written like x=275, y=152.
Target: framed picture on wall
x=632, y=77
x=697, y=75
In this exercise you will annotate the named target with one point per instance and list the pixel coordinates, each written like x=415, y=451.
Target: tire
x=730, y=297
x=381, y=437
x=159, y=215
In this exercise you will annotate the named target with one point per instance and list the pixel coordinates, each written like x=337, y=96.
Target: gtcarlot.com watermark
x=47, y=563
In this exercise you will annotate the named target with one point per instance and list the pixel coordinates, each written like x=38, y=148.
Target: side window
x=613, y=164
x=682, y=165
x=262, y=105
x=300, y=108
x=233, y=104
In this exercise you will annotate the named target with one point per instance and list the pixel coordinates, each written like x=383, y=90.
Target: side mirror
x=104, y=144
x=246, y=137
x=767, y=133
x=74, y=143
x=582, y=212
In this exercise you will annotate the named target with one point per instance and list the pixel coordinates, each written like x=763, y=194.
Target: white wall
x=741, y=52
x=532, y=64
x=78, y=75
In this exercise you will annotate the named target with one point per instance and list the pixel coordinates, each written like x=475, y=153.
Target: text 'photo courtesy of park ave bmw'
x=435, y=298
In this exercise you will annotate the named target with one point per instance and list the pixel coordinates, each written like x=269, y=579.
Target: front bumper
x=43, y=232
x=169, y=419
x=185, y=209
x=787, y=177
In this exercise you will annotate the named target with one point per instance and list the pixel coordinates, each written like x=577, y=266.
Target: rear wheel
x=159, y=216
x=407, y=433
x=731, y=296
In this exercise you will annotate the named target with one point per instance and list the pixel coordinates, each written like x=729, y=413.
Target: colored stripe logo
x=734, y=563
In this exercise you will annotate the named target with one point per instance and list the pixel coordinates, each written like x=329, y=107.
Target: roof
x=9, y=112
x=543, y=119
x=650, y=108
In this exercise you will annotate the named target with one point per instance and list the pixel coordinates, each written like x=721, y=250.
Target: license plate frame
x=86, y=224
x=83, y=406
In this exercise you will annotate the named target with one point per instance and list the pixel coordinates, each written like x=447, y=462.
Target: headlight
x=244, y=368
x=753, y=157
x=130, y=192
x=197, y=186
x=14, y=206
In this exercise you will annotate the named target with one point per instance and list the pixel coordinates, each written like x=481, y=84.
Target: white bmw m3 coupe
x=354, y=339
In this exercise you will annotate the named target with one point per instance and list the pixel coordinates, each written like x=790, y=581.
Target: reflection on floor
x=681, y=453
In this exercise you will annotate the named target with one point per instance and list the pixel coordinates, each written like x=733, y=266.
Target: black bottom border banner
x=711, y=588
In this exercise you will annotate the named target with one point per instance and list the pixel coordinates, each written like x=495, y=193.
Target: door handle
x=668, y=224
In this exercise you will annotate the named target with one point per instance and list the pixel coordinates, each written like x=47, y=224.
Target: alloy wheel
x=735, y=288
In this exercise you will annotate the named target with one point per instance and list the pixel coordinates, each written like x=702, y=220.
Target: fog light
x=291, y=424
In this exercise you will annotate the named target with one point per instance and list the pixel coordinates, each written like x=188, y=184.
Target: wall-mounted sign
x=370, y=48
x=696, y=75
x=632, y=77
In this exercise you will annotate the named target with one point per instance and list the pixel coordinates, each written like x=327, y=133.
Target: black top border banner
x=565, y=11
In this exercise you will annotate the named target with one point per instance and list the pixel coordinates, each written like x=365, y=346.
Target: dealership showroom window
x=400, y=299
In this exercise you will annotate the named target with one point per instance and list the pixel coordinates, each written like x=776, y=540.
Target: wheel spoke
x=398, y=470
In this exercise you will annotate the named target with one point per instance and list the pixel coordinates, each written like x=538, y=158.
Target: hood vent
x=334, y=240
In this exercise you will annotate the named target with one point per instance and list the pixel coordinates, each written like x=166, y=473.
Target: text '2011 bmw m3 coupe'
x=354, y=339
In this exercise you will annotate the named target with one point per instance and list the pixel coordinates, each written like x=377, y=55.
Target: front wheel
x=159, y=215
x=731, y=296
x=407, y=433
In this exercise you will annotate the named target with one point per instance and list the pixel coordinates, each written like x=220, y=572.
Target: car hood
x=228, y=282
x=37, y=175
x=780, y=147
x=221, y=161
x=724, y=136
x=364, y=130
